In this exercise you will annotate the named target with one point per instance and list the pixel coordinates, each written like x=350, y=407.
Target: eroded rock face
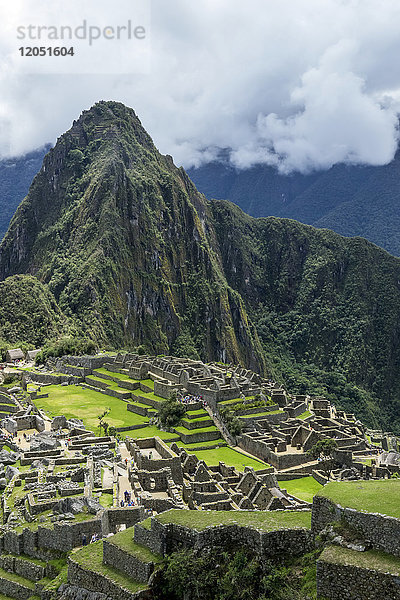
x=78, y=505
x=59, y=422
x=44, y=441
x=10, y=425
x=11, y=472
x=8, y=458
x=71, y=423
x=71, y=592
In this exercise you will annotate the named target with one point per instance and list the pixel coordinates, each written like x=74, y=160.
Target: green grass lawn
x=106, y=500
x=197, y=413
x=304, y=489
x=200, y=444
x=371, y=559
x=264, y=520
x=195, y=431
x=124, y=540
x=152, y=431
x=148, y=382
x=305, y=414
x=122, y=376
x=149, y=395
x=261, y=414
x=229, y=456
x=85, y=404
x=91, y=558
x=381, y=496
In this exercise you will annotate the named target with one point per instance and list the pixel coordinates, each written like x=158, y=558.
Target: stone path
x=124, y=483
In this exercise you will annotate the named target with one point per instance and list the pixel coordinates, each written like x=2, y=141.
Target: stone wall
x=99, y=582
x=51, y=379
x=153, y=538
x=261, y=450
x=8, y=408
x=204, y=436
x=25, y=568
x=139, y=410
x=127, y=516
x=164, y=539
x=319, y=476
x=382, y=532
x=341, y=581
x=127, y=563
x=63, y=537
x=16, y=590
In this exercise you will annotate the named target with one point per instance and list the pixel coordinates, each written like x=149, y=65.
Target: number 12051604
x=46, y=51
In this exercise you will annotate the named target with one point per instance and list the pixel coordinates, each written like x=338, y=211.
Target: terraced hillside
x=133, y=407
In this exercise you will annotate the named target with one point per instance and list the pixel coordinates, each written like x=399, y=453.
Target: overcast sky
x=302, y=84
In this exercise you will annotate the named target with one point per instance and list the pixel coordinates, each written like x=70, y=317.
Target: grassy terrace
x=305, y=414
x=195, y=431
x=371, y=559
x=148, y=382
x=91, y=558
x=121, y=376
x=230, y=457
x=85, y=404
x=197, y=413
x=17, y=579
x=234, y=401
x=261, y=414
x=304, y=489
x=211, y=443
x=108, y=382
x=380, y=496
x=152, y=431
x=124, y=540
x=149, y=395
x=199, y=419
x=264, y=520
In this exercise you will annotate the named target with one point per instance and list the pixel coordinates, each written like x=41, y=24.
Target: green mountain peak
x=132, y=254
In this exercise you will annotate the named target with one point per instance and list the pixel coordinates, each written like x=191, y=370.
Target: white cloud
x=302, y=84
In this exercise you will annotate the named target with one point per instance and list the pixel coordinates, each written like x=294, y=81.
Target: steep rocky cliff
x=126, y=244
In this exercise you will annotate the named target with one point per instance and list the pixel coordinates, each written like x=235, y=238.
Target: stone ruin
x=164, y=478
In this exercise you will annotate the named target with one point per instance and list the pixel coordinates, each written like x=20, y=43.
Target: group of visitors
x=95, y=538
x=128, y=500
x=191, y=399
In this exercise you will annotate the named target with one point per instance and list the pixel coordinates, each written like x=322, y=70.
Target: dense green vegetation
x=233, y=575
x=16, y=176
x=171, y=412
x=129, y=254
x=351, y=200
x=28, y=312
x=68, y=345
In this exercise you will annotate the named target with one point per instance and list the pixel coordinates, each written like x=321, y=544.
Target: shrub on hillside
x=171, y=412
x=65, y=346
